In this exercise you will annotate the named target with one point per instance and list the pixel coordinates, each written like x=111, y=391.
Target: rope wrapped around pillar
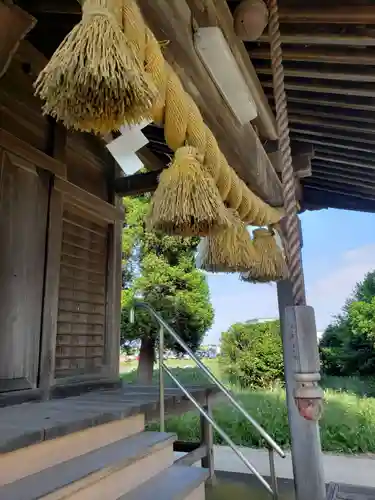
x=292, y=230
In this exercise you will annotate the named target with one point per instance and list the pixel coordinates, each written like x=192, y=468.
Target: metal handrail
x=272, y=445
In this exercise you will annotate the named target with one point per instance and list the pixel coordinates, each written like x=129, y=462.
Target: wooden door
x=23, y=226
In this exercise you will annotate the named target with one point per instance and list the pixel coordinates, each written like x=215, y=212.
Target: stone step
x=29, y=460
x=175, y=483
x=108, y=472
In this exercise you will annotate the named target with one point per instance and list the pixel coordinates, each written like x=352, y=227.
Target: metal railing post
x=161, y=380
x=207, y=438
x=271, y=457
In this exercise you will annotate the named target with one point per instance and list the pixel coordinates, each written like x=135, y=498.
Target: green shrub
x=251, y=354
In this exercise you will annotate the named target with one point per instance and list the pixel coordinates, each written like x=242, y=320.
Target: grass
x=347, y=426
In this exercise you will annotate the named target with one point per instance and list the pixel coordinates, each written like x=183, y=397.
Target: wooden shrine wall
x=60, y=258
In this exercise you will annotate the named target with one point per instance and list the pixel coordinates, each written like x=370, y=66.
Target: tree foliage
x=251, y=353
x=161, y=270
x=348, y=344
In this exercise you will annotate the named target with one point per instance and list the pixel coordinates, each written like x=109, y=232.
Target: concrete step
x=108, y=472
x=175, y=483
x=29, y=460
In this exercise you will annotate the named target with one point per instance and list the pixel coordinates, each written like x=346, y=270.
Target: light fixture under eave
x=219, y=61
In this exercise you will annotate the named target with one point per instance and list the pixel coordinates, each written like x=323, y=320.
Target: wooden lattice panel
x=82, y=311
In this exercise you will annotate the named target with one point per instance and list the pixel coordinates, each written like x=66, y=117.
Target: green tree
x=251, y=353
x=348, y=344
x=161, y=270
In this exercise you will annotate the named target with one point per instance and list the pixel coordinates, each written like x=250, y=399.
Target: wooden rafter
x=338, y=187
x=328, y=55
x=332, y=123
x=338, y=14
x=339, y=161
x=324, y=102
x=317, y=198
x=333, y=113
x=332, y=74
x=15, y=24
x=325, y=39
x=347, y=138
x=345, y=156
x=348, y=180
x=325, y=140
x=327, y=88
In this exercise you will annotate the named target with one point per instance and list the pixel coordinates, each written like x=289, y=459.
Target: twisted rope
x=184, y=125
x=292, y=240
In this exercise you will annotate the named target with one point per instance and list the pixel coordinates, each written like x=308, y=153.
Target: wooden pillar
x=51, y=292
x=56, y=147
x=113, y=302
x=305, y=437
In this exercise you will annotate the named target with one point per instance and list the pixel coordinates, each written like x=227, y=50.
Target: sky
x=338, y=250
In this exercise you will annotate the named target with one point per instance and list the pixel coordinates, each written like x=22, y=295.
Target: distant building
x=260, y=320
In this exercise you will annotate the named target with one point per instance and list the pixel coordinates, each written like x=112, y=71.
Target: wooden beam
x=171, y=20
x=336, y=187
x=301, y=163
x=333, y=124
x=324, y=167
x=340, y=155
x=322, y=75
x=15, y=24
x=297, y=148
x=324, y=39
x=137, y=184
x=348, y=163
x=52, y=6
x=337, y=14
x=217, y=13
x=149, y=159
x=315, y=198
x=340, y=14
x=325, y=89
x=365, y=181
x=347, y=115
x=329, y=55
x=329, y=135
x=327, y=103
x=318, y=141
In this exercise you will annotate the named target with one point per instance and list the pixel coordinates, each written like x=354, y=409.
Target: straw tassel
x=230, y=250
x=271, y=263
x=187, y=201
x=94, y=81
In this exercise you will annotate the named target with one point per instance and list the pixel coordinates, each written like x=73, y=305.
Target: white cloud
x=235, y=301
x=327, y=295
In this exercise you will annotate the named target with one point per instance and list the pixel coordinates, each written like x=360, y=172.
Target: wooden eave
x=329, y=53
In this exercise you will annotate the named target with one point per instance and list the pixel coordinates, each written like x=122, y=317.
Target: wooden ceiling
x=329, y=62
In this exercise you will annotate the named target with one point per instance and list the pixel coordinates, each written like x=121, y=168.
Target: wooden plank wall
x=60, y=241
